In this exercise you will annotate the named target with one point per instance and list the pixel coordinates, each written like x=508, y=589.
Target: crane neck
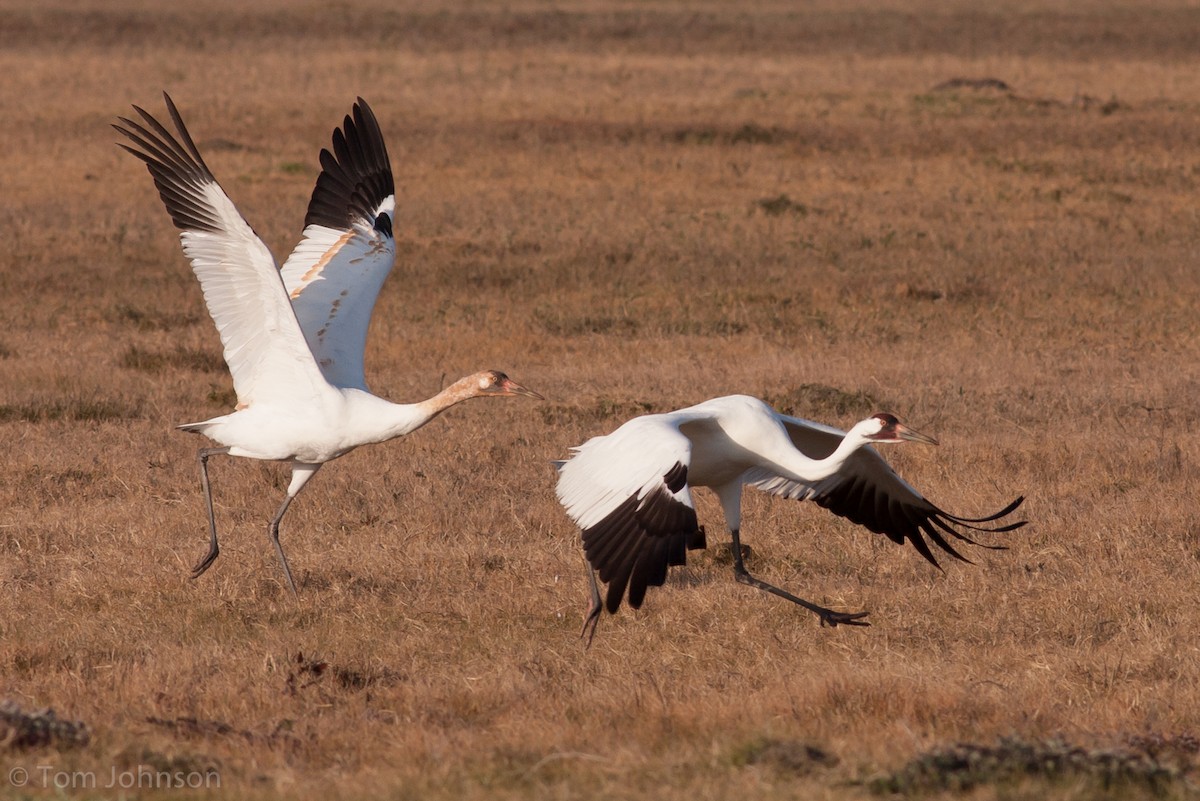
x=809, y=469
x=461, y=390
x=398, y=419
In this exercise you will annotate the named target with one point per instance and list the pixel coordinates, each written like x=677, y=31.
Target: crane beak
x=510, y=387
x=906, y=433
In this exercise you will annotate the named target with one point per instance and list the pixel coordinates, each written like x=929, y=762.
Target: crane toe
x=832, y=619
x=205, y=563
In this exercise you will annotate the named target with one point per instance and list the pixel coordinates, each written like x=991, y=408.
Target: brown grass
x=626, y=206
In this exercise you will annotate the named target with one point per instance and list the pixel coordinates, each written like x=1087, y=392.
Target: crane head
x=892, y=430
x=494, y=382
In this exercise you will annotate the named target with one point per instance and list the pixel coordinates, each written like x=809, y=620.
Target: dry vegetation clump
x=629, y=208
x=965, y=766
x=22, y=730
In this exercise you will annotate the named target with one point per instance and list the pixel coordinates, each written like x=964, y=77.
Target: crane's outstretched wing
x=335, y=273
x=629, y=495
x=263, y=344
x=868, y=492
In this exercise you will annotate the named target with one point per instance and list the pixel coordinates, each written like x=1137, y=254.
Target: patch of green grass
x=600, y=409
x=952, y=104
x=148, y=762
x=785, y=756
x=819, y=400
x=554, y=321
x=144, y=320
x=694, y=136
x=781, y=204
x=221, y=396
x=749, y=133
x=753, y=134
x=78, y=409
x=136, y=358
x=720, y=327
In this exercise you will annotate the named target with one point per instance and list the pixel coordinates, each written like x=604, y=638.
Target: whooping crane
x=293, y=337
x=630, y=491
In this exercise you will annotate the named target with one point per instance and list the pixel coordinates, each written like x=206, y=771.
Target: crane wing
x=263, y=345
x=628, y=493
x=868, y=492
x=347, y=249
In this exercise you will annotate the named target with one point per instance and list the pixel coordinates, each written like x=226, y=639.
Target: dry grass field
x=626, y=206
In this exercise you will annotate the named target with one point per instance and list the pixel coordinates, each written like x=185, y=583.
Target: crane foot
x=832, y=619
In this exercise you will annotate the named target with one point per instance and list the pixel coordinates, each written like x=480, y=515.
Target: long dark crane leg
x=593, y=615
x=828, y=616
x=213, y=551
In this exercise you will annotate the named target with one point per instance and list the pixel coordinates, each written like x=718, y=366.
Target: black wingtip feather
x=1007, y=510
x=646, y=569
x=356, y=177
x=179, y=172
x=956, y=533
x=923, y=548
x=183, y=132
x=635, y=545
x=616, y=588
x=676, y=477
x=383, y=224
x=940, y=541
x=904, y=518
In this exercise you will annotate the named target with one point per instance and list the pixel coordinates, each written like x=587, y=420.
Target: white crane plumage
x=630, y=492
x=293, y=337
